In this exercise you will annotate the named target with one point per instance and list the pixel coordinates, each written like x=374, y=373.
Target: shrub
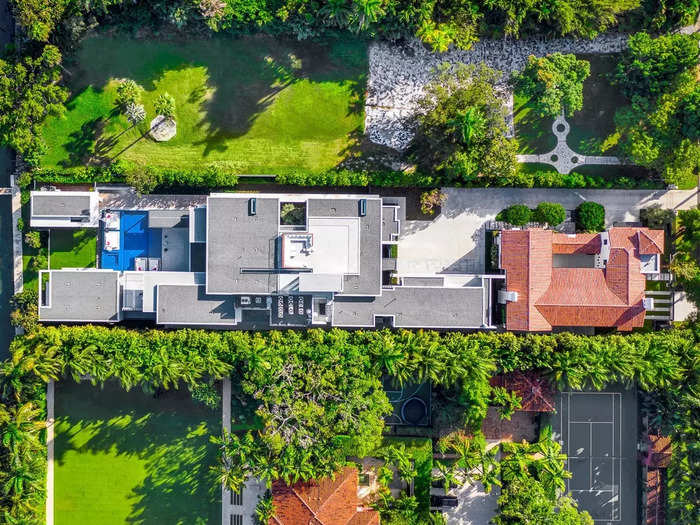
x=165, y=105
x=517, y=215
x=429, y=200
x=25, y=311
x=551, y=213
x=590, y=217
x=20, y=224
x=38, y=262
x=33, y=239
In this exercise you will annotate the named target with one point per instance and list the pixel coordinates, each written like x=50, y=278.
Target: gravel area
x=398, y=73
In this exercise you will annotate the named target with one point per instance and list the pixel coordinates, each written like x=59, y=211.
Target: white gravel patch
x=399, y=72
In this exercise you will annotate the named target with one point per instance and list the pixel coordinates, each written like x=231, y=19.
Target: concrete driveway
x=454, y=241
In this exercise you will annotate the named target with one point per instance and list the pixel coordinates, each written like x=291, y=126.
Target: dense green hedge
x=654, y=361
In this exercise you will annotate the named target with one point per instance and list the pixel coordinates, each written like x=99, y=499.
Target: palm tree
x=21, y=428
x=368, y=12
x=468, y=125
x=265, y=509
x=19, y=479
x=337, y=12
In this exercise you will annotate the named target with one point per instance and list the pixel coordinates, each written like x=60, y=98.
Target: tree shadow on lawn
x=168, y=432
x=243, y=76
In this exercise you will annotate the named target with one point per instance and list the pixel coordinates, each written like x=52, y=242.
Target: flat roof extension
x=414, y=307
x=238, y=240
x=190, y=305
x=82, y=296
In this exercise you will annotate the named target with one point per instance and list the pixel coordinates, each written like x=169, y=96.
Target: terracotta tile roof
x=321, y=502
x=651, y=242
x=550, y=296
x=527, y=259
x=536, y=392
x=587, y=243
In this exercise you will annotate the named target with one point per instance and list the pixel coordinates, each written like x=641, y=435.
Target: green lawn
x=73, y=248
x=592, y=128
x=128, y=457
x=255, y=105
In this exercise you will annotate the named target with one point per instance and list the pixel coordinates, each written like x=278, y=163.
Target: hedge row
x=227, y=176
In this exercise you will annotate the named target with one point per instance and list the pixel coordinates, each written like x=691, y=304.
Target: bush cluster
x=590, y=217
x=550, y=213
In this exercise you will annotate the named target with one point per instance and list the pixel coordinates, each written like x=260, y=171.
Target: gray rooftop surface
x=82, y=296
x=238, y=240
x=168, y=218
x=389, y=223
x=60, y=204
x=414, y=307
x=200, y=224
x=369, y=281
x=189, y=304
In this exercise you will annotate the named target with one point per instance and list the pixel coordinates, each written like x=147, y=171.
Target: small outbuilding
x=64, y=209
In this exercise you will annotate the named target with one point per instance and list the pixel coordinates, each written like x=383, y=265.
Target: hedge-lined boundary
x=223, y=176
x=654, y=361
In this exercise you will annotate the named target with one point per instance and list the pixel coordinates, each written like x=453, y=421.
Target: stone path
x=562, y=157
x=398, y=74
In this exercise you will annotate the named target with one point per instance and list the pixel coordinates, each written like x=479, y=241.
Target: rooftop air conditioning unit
x=245, y=300
x=505, y=296
x=648, y=303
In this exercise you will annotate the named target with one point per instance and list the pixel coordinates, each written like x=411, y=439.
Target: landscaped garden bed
x=133, y=457
x=250, y=105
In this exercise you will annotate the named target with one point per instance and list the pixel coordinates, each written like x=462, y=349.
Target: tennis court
x=598, y=432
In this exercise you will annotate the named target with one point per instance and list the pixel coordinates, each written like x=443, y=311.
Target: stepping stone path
x=562, y=157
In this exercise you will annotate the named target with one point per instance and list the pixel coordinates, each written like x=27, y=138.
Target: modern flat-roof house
x=255, y=261
x=561, y=280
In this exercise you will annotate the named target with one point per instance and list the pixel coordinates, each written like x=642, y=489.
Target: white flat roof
x=331, y=246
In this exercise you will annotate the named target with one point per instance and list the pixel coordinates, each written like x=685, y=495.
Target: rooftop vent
x=363, y=207
x=253, y=206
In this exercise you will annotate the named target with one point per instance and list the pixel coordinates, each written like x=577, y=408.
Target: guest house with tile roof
x=594, y=280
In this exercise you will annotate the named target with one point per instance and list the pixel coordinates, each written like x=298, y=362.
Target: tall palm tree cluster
x=318, y=393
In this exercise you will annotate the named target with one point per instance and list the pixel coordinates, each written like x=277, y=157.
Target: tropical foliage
x=439, y=25
x=301, y=375
x=555, y=83
x=659, y=129
x=462, y=133
x=29, y=92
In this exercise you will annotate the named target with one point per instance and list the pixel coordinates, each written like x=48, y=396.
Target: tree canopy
x=555, y=83
x=659, y=128
x=462, y=130
x=29, y=92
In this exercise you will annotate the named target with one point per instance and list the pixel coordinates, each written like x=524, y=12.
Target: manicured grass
x=130, y=457
x=657, y=286
x=593, y=128
x=534, y=133
x=255, y=105
x=73, y=248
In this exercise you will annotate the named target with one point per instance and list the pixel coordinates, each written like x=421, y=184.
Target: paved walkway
x=562, y=157
x=50, y=421
x=226, y=425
